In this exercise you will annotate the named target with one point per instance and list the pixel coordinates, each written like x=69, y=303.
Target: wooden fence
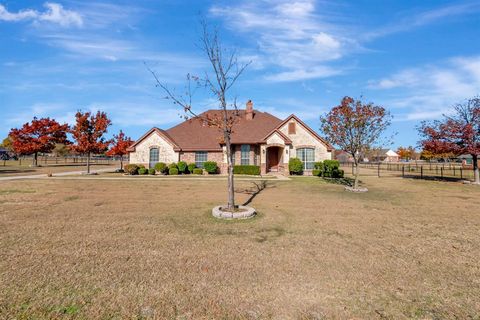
x=47, y=160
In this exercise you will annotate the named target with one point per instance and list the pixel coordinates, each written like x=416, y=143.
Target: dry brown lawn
x=115, y=249
x=23, y=170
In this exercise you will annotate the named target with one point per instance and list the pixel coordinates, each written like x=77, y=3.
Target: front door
x=272, y=159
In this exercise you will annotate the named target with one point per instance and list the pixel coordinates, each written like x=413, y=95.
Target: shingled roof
x=194, y=135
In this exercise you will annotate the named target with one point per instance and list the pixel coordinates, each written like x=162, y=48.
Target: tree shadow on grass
x=341, y=181
x=254, y=190
x=7, y=171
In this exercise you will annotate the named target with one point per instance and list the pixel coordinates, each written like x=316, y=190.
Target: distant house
x=343, y=156
x=384, y=155
x=258, y=138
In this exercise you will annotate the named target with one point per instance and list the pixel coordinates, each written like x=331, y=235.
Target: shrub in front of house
x=191, y=166
x=337, y=173
x=182, y=166
x=151, y=171
x=317, y=172
x=161, y=167
x=331, y=168
x=141, y=166
x=143, y=170
x=172, y=165
x=173, y=171
x=295, y=166
x=210, y=166
x=318, y=166
x=131, y=169
x=197, y=171
x=247, y=169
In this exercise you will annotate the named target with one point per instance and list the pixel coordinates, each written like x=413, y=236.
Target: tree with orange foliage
x=456, y=134
x=40, y=135
x=354, y=127
x=408, y=153
x=88, y=133
x=119, y=148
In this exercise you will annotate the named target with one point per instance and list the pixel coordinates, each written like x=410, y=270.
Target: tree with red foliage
x=40, y=135
x=88, y=133
x=119, y=148
x=354, y=127
x=458, y=134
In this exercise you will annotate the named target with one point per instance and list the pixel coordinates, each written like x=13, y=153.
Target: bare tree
x=224, y=73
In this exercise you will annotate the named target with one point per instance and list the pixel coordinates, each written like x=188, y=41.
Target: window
x=307, y=155
x=153, y=157
x=291, y=128
x=232, y=152
x=200, y=158
x=245, y=155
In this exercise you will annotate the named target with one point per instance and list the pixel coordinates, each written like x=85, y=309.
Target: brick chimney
x=249, y=110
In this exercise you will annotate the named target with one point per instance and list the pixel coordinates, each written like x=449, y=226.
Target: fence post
x=378, y=170
x=454, y=171
x=441, y=172
x=421, y=172
x=461, y=173
x=403, y=171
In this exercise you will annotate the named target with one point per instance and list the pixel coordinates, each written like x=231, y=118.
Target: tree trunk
x=121, y=163
x=88, y=162
x=475, y=169
x=231, y=188
x=357, y=171
x=34, y=160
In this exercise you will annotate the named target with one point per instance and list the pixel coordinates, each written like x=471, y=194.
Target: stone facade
x=286, y=139
x=142, y=150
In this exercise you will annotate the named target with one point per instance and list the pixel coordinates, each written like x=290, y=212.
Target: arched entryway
x=274, y=159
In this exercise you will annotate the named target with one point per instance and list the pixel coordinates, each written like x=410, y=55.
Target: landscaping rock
x=352, y=189
x=243, y=213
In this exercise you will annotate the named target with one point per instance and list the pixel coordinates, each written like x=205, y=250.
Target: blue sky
x=416, y=58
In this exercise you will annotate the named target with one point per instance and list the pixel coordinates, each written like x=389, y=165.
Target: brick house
x=258, y=138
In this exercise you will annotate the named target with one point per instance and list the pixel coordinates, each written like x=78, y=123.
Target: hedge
x=131, y=169
x=182, y=166
x=331, y=168
x=210, y=166
x=295, y=166
x=142, y=171
x=197, y=171
x=316, y=172
x=246, y=169
x=191, y=167
x=172, y=165
x=161, y=167
x=151, y=171
x=173, y=171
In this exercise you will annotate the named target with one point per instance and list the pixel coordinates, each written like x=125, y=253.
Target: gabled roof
x=280, y=133
x=162, y=133
x=193, y=134
x=292, y=116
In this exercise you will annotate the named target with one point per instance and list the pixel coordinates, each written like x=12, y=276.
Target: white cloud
x=54, y=13
x=427, y=92
x=290, y=36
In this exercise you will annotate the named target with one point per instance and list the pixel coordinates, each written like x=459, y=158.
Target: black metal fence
x=421, y=170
